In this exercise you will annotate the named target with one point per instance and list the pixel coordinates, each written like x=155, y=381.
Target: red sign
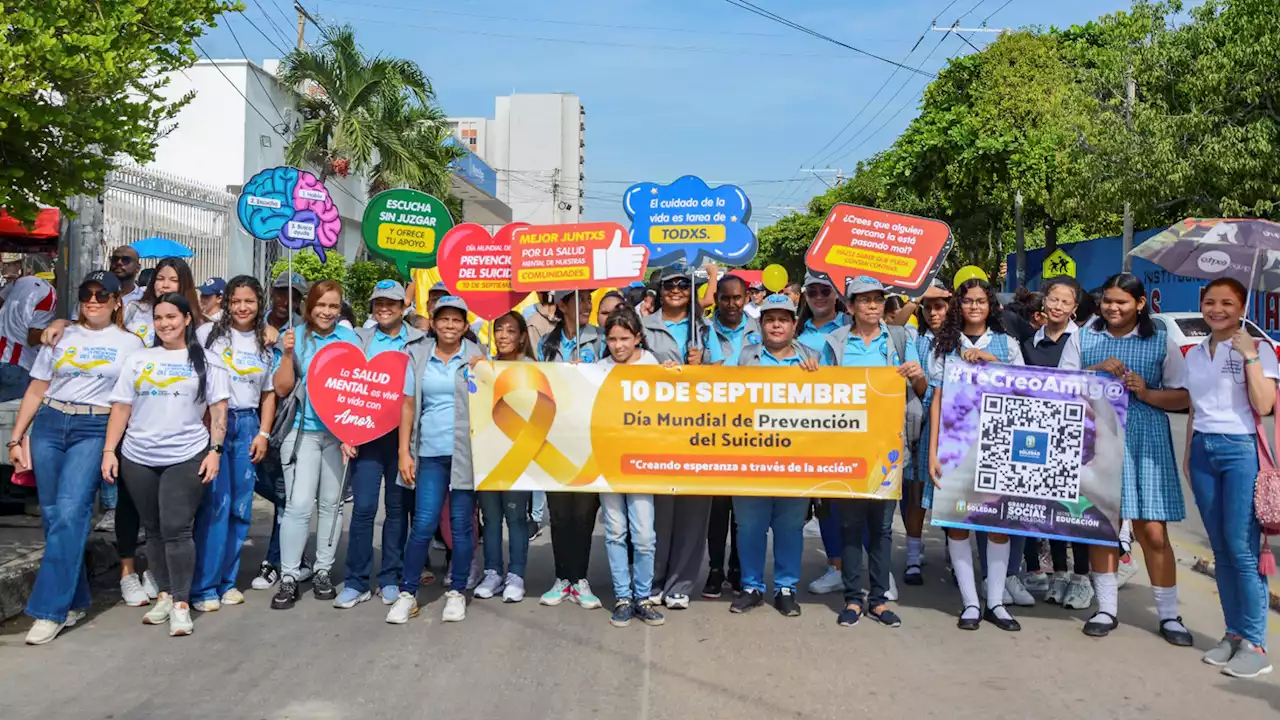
x=477, y=268
x=584, y=256
x=903, y=252
x=359, y=400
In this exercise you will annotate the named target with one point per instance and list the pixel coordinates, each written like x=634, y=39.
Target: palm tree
x=421, y=159
x=347, y=99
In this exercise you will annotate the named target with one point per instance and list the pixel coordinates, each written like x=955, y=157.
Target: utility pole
x=303, y=16
x=1126, y=242
x=1019, y=241
x=81, y=236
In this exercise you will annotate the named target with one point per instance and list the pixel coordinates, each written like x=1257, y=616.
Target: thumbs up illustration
x=617, y=261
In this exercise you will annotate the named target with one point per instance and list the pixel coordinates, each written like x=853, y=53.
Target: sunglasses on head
x=121, y=259
x=678, y=284
x=817, y=291
x=96, y=295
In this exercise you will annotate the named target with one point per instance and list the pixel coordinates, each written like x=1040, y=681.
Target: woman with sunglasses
x=972, y=332
x=66, y=408
x=158, y=405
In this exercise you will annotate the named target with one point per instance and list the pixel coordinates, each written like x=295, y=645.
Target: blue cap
x=452, y=301
x=777, y=301
x=862, y=284
x=388, y=289
x=108, y=281
x=213, y=286
x=812, y=278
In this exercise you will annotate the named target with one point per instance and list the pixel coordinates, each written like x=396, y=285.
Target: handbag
x=1266, y=490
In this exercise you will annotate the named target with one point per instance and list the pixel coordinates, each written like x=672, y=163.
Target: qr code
x=1030, y=447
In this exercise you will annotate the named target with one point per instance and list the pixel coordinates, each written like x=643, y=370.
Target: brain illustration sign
x=688, y=222
x=291, y=206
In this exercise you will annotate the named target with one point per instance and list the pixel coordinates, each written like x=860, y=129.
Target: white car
x=1189, y=329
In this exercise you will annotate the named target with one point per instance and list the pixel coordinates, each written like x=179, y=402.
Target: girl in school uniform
x=66, y=407
x=1125, y=342
x=972, y=332
x=932, y=313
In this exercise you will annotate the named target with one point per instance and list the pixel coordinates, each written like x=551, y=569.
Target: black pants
x=127, y=522
x=167, y=498
x=723, y=523
x=573, y=521
x=680, y=524
x=876, y=516
x=1058, y=549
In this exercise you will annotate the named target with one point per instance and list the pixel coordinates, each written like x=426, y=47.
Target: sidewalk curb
x=18, y=576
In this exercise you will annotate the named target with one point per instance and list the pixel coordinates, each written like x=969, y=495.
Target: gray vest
x=414, y=337
x=462, y=477
x=726, y=347
x=750, y=354
x=899, y=335
x=589, y=345
x=659, y=339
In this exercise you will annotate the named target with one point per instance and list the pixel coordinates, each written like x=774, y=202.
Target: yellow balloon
x=775, y=278
x=966, y=273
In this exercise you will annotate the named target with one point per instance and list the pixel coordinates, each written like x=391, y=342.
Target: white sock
x=997, y=567
x=1104, y=586
x=914, y=547
x=1167, y=606
x=961, y=552
x=1126, y=537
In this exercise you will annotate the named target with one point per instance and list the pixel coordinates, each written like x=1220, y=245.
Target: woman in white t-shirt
x=66, y=407
x=161, y=397
x=238, y=339
x=632, y=584
x=1231, y=379
x=172, y=275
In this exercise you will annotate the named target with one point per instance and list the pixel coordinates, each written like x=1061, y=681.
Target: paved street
x=527, y=661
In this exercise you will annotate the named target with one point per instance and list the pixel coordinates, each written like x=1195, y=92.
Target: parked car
x=1189, y=329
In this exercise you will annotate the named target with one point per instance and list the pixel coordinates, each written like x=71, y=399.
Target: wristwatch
x=215, y=449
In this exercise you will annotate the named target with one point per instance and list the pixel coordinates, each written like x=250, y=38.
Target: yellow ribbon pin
x=529, y=437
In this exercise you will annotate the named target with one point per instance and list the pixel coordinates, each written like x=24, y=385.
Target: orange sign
x=768, y=431
x=575, y=257
x=903, y=252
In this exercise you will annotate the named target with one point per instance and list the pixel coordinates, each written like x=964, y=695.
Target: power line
x=264, y=35
x=254, y=73
x=283, y=38
x=288, y=22
x=757, y=10
x=233, y=86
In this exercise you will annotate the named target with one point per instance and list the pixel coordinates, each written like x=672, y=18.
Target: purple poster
x=1031, y=451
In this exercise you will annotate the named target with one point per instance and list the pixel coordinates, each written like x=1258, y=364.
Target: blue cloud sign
x=689, y=222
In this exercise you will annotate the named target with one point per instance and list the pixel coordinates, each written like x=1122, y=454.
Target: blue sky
x=675, y=87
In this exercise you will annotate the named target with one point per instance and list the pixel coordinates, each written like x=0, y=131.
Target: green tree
x=360, y=279
x=308, y=265
x=82, y=84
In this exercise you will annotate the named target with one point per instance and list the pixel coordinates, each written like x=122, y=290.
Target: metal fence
x=142, y=202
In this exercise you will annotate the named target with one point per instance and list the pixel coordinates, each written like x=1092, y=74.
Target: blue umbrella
x=158, y=247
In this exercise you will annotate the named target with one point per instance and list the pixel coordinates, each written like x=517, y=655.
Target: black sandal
x=1097, y=629
x=1180, y=638
x=913, y=578
x=965, y=623
x=1009, y=625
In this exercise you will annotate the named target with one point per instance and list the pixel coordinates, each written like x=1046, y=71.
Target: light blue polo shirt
x=383, y=342
x=679, y=330
x=768, y=360
x=736, y=337
x=814, y=337
x=306, y=347
x=568, y=350
x=879, y=353
x=436, y=404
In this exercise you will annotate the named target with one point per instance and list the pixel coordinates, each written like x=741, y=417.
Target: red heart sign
x=477, y=268
x=359, y=400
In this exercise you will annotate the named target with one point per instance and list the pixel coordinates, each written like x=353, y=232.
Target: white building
x=537, y=145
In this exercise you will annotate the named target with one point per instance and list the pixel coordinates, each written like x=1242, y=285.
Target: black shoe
x=535, y=529
x=849, y=617
x=322, y=586
x=1101, y=628
x=1009, y=625
x=267, y=577
x=886, y=617
x=913, y=578
x=286, y=596
x=785, y=601
x=1181, y=638
x=972, y=623
x=644, y=610
x=747, y=601
x=623, y=611
x=714, y=586
x=735, y=579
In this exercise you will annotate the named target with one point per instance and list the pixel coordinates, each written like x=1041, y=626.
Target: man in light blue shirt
x=730, y=328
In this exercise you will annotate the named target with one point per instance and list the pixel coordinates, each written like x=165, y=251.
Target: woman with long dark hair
x=972, y=332
x=930, y=316
x=172, y=275
x=1125, y=342
x=158, y=406
x=238, y=340
x=66, y=408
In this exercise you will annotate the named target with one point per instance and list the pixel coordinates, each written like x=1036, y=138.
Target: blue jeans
x=755, y=516
x=222, y=523
x=432, y=483
x=1224, y=469
x=539, y=510
x=512, y=505
x=636, y=511
x=269, y=483
x=374, y=468
x=66, y=454
x=866, y=523
x=829, y=524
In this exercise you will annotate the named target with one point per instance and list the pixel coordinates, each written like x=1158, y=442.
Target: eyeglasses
x=679, y=284
x=95, y=295
x=124, y=259
x=974, y=302
x=818, y=291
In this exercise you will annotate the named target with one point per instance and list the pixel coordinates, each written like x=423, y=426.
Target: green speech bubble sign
x=405, y=227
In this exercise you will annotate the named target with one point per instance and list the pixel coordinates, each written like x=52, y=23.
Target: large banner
x=786, y=432
x=1031, y=451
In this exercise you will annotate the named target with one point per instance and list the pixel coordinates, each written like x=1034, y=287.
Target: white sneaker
x=830, y=582
x=677, y=602
x=581, y=594
x=455, y=607
x=812, y=529
x=180, y=620
x=149, y=585
x=406, y=607
x=233, y=597
x=1126, y=571
x=477, y=572
x=74, y=617
x=305, y=571
x=159, y=614
x=132, y=592
x=1018, y=592
x=891, y=595
x=656, y=598
x=1036, y=583
x=1057, y=588
x=557, y=594
x=514, y=591
x=490, y=586
x=1079, y=593
x=207, y=606
x=43, y=632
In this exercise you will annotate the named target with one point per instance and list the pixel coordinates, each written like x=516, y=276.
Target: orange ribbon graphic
x=529, y=437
